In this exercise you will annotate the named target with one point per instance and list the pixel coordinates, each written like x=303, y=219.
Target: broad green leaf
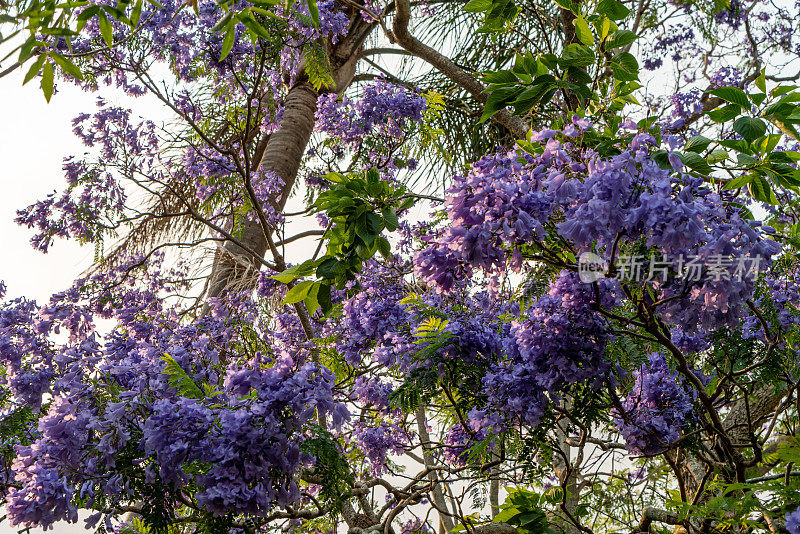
x=625, y=67
x=497, y=100
x=500, y=77
x=761, y=190
x=734, y=95
x=603, y=26
x=478, y=6
x=696, y=163
x=569, y=5
x=368, y=226
x=621, y=38
x=767, y=143
x=724, y=114
x=298, y=292
x=311, y=301
x=390, y=219
x=749, y=128
x=717, y=156
x=613, y=9
x=384, y=247
x=583, y=32
x=576, y=55
x=739, y=181
x=761, y=83
x=697, y=144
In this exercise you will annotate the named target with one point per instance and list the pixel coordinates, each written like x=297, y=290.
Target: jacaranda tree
x=405, y=266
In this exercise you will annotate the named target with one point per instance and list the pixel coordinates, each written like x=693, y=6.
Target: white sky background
x=34, y=139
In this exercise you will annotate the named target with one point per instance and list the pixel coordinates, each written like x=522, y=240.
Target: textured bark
x=234, y=268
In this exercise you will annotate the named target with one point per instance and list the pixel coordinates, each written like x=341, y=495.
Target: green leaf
x=697, y=144
x=223, y=22
x=583, y=32
x=368, y=226
x=328, y=268
x=314, y=11
x=782, y=90
x=384, y=247
x=613, y=9
x=739, y=145
x=500, y=77
x=47, y=80
x=757, y=98
x=390, y=219
x=576, y=55
x=761, y=190
x=603, y=26
x=293, y=273
x=739, y=181
x=767, y=143
x=734, y=95
x=136, y=13
x=625, y=67
x=227, y=42
x=749, y=128
x=696, y=163
x=67, y=65
x=324, y=297
x=298, y=292
x=478, y=6
x=105, y=28
x=35, y=68
x=725, y=114
x=311, y=301
x=569, y=5
x=717, y=156
x=621, y=38
x=497, y=100
x=579, y=75
x=761, y=83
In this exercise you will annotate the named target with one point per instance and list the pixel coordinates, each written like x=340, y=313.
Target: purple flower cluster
x=656, y=410
x=793, y=522
x=505, y=206
x=561, y=341
x=378, y=441
x=458, y=442
x=232, y=427
x=383, y=109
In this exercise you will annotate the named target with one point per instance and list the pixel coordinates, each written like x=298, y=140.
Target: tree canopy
x=492, y=266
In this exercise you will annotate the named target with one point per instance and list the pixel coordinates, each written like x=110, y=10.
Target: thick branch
x=403, y=37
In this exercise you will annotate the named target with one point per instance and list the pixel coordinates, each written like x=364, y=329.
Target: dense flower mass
x=657, y=409
x=501, y=211
x=603, y=277
x=182, y=405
